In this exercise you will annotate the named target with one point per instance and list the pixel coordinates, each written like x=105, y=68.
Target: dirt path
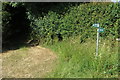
x=33, y=62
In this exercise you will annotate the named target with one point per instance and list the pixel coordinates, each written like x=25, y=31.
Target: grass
x=75, y=60
x=27, y=62
x=79, y=61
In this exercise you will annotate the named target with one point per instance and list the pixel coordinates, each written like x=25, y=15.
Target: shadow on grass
x=12, y=47
x=15, y=44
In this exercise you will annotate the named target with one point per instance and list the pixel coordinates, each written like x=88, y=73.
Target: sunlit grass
x=79, y=61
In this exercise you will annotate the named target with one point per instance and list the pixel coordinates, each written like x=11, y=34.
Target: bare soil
x=33, y=62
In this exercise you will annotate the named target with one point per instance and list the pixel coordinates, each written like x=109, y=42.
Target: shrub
x=78, y=20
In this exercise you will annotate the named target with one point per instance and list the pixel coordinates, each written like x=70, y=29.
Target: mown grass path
x=33, y=62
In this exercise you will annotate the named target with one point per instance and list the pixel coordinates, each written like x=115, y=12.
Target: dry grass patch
x=33, y=62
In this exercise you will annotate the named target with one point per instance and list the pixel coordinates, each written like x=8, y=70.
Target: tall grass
x=79, y=61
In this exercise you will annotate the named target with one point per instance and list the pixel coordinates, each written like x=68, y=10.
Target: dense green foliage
x=15, y=15
x=79, y=61
x=78, y=20
x=53, y=22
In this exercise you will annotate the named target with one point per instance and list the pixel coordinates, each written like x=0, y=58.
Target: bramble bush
x=78, y=20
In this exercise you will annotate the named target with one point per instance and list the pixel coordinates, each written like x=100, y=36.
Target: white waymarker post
x=98, y=31
x=97, y=43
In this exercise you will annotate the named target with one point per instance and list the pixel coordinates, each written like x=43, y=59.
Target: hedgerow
x=53, y=22
x=78, y=20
